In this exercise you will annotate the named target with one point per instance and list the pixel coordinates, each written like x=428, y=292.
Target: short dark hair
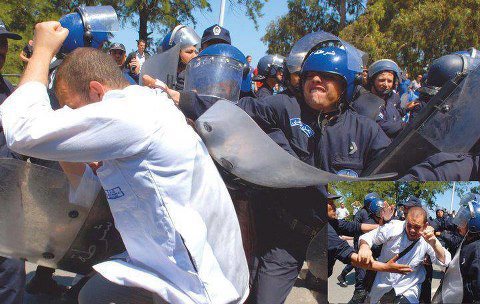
x=418, y=211
x=141, y=40
x=248, y=56
x=88, y=64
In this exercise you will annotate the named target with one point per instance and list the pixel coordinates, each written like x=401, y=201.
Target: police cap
x=216, y=32
x=5, y=33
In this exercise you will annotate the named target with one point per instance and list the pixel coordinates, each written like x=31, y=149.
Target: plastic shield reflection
x=216, y=76
x=45, y=215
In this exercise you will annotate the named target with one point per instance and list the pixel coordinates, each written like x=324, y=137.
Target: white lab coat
x=168, y=200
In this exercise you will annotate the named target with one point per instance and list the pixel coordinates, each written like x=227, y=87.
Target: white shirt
x=168, y=200
x=342, y=213
x=140, y=58
x=394, y=239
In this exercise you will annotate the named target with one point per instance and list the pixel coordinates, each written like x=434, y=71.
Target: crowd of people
x=192, y=233
x=403, y=233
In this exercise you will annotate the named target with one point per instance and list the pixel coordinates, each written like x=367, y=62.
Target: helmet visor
x=99, y=18
x=216, y=76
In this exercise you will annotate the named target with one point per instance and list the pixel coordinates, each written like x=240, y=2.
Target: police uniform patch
x=114, y=193
x=307, y=130
x=297, y=122
x=217, y=30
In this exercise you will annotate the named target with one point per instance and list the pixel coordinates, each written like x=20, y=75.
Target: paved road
x=338, y=294
x=299, y=294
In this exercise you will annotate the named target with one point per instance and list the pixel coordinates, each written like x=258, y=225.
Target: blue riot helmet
x=384, y=65
x=217, y=71
x=181, y=36
x=469, y=213
x=376, y=206
x=88, y=26
x=268, y=66
x=448, y=67
x=339, y=61
x=369, y=198
x=164, y=66
x=306, y=45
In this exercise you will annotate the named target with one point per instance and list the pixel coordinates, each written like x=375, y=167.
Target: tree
x=148, y=15
x=307, y=16
x=413, y=33
x=162, y=15
x=392, y=192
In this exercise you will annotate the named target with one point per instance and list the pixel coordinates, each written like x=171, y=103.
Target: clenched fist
x=48, y=38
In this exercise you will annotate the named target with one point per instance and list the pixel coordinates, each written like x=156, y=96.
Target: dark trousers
x=12, y=281
x=346, y=270
x=273, y=276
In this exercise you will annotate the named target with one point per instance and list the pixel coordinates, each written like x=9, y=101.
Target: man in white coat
x=168, y=200
x=414, y=239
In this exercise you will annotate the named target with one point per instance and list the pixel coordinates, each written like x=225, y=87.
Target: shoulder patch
x=297, y=122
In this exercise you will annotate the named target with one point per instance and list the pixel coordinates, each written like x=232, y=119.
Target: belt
x=295, y=224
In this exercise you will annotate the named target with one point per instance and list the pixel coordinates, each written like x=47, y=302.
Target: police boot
x=341, y=280
x=359, y=296
x=43, y=283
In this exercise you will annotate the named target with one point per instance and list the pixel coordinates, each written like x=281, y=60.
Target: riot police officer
x=270, y=73
x=362, y=216
x=383, y=75
x=213, y=35
x=321, y=130
x=468, y=221
x=447, y=166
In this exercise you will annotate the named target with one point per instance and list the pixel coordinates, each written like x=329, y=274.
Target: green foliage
x=392, y=192
x=306, y=16
x=148, y=15
x=413, y=33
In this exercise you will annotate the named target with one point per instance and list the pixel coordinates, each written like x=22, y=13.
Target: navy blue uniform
x=470, y=269
x=445, y=167
x=452, y=240
x=360, y=272
x=338, y=249
x=12, y=271
x=264, y=91
x=390, y=113
x=345, y=141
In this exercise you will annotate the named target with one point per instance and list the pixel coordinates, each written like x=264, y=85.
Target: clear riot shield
x=215, y=76
x=162, y=66
x=99, y=18
x=450, y=290
x=54, y=220
x=241, y=147
x=448, y=123
x=317, y=255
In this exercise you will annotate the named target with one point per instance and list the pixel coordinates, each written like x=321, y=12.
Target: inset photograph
x=393, y=242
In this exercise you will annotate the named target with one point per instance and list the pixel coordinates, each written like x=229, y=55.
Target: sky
x=445, y=199
x=242, y=30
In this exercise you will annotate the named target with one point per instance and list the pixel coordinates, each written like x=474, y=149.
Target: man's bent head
x=416, y=223
x=85, y=76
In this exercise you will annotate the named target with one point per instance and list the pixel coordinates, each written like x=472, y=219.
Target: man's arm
x=439, y=253
x=390, y=266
